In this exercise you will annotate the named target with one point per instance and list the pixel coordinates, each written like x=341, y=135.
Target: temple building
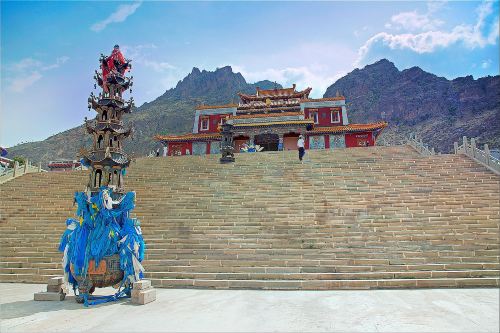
x=274, y=119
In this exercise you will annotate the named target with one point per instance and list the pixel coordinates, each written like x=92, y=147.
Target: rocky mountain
x=441, y=111
x=172, y=113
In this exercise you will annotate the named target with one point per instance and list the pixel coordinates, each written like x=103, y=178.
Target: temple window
x=204, y=124
x=314, y=115
x=335, y=117
x=110, y=142
x=97, y=178
x=105, y=115
x=99, y=141
x=222, y=121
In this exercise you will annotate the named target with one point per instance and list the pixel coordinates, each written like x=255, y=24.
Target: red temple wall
x=213, y=122
x=324, y=115
x=361, y=139
x=182, y=147
x=327, y=142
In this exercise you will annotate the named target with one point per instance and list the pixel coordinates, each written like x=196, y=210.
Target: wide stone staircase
x=375, y=217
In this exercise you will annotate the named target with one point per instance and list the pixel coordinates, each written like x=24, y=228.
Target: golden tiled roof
x=188, y=137
x=272, y=92
x=205, y=107
x=275, y=94
x=267, y=115
x=349, y=128
x=294, y=108
x=276, y=123
x=337, y=98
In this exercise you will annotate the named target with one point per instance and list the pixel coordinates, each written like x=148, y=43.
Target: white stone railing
x=483, y=157
x=19, y=170
x=419, y=146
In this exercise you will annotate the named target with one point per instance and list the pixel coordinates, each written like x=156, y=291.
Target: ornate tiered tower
x=103, y=245
x=106, y=159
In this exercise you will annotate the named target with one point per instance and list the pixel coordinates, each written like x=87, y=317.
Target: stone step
x=326, y=284
x=376, y=217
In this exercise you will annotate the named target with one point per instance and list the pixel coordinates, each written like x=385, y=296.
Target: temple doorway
x=269, y=141
x=290, y=141
x=239, y=141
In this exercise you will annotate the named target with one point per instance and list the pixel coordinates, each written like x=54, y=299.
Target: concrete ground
x=192, y=310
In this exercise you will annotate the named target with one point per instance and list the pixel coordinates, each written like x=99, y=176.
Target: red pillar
x=327, y=142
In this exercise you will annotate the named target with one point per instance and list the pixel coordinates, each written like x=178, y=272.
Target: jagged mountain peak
x=414, y=99
x=381, y=64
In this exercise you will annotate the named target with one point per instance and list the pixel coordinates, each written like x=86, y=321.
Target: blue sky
x=49, y=50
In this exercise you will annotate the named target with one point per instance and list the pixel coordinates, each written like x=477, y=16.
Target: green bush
x=20, y=160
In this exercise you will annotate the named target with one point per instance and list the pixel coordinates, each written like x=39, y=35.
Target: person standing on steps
x=158, y=152
x=300, y=146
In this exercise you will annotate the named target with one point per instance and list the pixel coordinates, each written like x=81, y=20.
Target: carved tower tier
x=106, y=158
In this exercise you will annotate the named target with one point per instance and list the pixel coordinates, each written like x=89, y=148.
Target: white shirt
x=300, y=143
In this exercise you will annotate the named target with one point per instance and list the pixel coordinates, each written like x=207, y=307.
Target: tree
x=20, y=160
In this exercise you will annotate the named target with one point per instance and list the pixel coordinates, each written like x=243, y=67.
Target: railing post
x=465, y=143
x=433, y=152
x=15, y=169
x=455, y=147
x=25, y=166
x=39, y=166
x=487, y=153
x=473, y=146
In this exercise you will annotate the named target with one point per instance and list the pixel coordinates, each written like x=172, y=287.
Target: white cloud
x=140, y=55
x=414, y=21
x=428, y=41
x=59, y=62
x=486, y=63
x=27, y=71
x=158, y=66
x=303, y=76
x=23, y=64
x=120, y=15
x=434, y=6
x=20, y=83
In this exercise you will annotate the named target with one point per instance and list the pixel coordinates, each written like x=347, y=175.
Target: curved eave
x=188, y=137
x=337, y=98
x=351, y=128
x=208, y=107
x=100, y=157
x=112, y=102
x=299, y=94
x=115, y=128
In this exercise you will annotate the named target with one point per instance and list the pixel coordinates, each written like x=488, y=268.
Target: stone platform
x=190, y=310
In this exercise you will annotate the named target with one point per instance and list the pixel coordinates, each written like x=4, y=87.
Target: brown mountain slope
x=441, y=111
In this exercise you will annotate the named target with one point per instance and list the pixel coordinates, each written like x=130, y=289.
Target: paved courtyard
x=190, y=310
